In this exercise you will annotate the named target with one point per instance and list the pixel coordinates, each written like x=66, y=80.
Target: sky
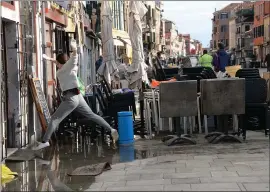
x=193, y=17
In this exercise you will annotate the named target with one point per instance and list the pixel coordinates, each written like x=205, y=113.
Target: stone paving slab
x=230, y=179
x=257, y=186
x=178, y=187
x=239, y=172
x=200, y=169
x=215, y=187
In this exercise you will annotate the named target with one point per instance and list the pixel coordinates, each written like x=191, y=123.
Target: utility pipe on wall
x=1, y=132
x=44, y=62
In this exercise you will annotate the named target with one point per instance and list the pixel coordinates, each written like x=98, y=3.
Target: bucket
x=125, y=128
x=126, y=153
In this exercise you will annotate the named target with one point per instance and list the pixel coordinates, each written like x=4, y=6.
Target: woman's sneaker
x=114, y=135
x=41, y=146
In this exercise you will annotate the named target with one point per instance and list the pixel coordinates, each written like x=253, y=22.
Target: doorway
x=4, y=93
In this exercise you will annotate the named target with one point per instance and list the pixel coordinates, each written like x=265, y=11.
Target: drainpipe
x=45, y=81
x=1, y=130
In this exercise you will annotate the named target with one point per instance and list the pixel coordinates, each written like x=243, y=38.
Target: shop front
x=56, y=42
x=13, y=101
x=122, y=44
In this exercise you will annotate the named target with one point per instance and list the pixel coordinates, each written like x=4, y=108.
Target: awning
x=120, y=33
x=121, y=38
x=118, y=42
x=125, y=41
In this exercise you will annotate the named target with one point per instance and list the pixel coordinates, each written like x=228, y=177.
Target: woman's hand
x=48, y=58
x=73, y=45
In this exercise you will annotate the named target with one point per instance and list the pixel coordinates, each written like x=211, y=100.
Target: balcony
x=245, y=12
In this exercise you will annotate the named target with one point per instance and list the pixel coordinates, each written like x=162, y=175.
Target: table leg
x=205, y=125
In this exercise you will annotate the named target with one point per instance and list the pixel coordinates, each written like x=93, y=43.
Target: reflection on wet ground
x=64, y=158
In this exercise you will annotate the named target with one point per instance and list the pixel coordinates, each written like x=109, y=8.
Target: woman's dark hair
x=62, y=58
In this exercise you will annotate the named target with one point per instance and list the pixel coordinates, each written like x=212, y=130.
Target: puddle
x=33, y=176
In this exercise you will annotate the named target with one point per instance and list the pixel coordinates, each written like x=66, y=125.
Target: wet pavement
x=150, y=166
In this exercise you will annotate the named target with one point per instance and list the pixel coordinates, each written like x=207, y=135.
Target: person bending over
x=72, y=98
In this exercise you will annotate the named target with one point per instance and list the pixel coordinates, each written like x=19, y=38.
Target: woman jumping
x=72, y=98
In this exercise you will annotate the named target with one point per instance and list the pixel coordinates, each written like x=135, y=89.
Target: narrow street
x=94, y=84
x=203, y=167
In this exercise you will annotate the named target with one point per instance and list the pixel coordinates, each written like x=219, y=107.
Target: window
x=258, y=31
x=243, y=43
x=247, y=28
x=226, y=42
x=60, y=41
x=223, y=28
x=215, y=29
x=224, y=16
x=238, y=30
x=215, y=44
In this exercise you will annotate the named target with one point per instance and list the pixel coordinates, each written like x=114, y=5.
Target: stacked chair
x=256, y=97
x=109, y=104
x=248, y=73
x=163, y=74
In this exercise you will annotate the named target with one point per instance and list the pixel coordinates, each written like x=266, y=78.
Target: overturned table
x=178, y=99
x=223, y=97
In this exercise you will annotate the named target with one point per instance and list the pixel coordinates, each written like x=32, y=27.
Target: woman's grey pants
x=70, y=103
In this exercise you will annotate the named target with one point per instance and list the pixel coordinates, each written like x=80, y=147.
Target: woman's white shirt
x=67, y=75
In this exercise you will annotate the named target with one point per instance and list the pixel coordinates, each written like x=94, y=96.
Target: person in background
x=233, y=58
x=267, y=62
x=159, y=59
x=206, y=60
x=123, y=67
x=99, y=62
x=72, y=98
x=221, y=59
x=254, y=56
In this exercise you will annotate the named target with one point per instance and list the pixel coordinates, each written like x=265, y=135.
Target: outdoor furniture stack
x=256, y=102
x=248, y=73
x=151, y=106
x=179, y=99
x=222, y=98
x=257, y=98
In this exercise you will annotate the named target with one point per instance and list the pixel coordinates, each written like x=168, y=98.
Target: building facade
x=266, y=41
x=187, y=39
x=171, y=39
x=29, y=29
x=14, y=62
x=258, y=30
x=122, y=43
x=244, y=31
x=220, y=26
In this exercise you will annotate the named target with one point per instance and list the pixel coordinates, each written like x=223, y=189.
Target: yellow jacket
x=206, y=60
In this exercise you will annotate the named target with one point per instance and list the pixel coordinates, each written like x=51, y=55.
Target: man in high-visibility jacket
x=206, y=60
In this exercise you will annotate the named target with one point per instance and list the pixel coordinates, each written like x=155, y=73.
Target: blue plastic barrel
x=125, y=128
x=126, y=153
